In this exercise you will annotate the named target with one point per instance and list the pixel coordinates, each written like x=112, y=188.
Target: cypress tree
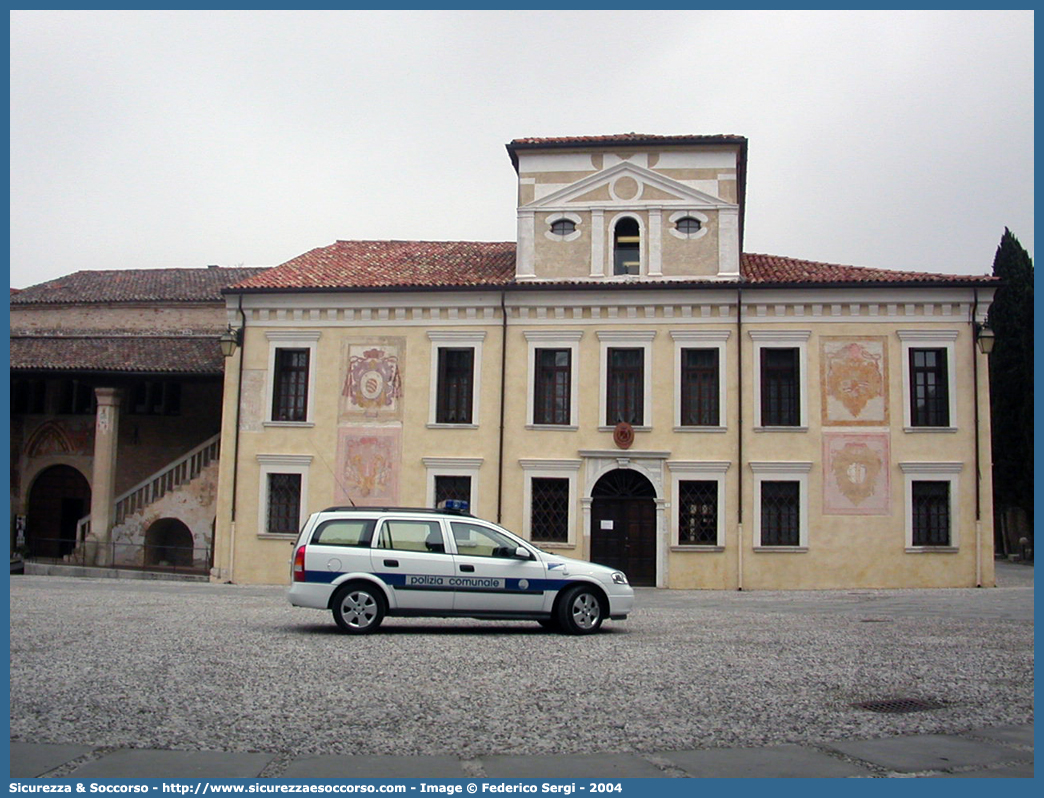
x=1011, y=393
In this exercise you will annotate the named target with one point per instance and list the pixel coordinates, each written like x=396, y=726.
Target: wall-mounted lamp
x=984, y=338
x=230, y=339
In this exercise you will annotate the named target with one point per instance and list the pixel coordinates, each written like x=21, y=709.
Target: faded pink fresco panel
x=368, y=463
x=856, y=472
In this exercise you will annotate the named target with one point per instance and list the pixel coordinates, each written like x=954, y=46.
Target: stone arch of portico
x=42, y=464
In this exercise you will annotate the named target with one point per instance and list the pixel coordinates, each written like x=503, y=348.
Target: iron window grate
x=452, y=488
x=898, y=706
x=698, y=516
x=550, y=510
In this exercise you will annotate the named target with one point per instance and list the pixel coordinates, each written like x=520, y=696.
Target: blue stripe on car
x=473, y=584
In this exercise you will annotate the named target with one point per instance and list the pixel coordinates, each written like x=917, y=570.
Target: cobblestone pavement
x=130, y=678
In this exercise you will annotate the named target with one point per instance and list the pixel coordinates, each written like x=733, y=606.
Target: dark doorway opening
x=623, y=525
x=169, y=544
x=59, y=498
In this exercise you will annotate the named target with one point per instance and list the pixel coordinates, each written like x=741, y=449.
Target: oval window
x=563, y=227
x=688, y=225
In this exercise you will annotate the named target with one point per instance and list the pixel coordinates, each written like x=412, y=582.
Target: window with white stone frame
x=563, y=227
x=929, y=401
x=699, y=387
x=456, y=368
x=283, y=492
x=625, y=376
x=452, y=478
x=549, y=501
x=781, y=374
x=291, y=377
x=932, y=509
x=627, y=247
x=698, y=504
x=781, y=505
x=553, y=378
x=688, y=225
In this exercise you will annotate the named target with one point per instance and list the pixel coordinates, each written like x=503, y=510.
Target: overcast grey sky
x=178, y=139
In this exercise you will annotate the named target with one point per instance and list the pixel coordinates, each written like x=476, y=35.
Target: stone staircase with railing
x=174, y=475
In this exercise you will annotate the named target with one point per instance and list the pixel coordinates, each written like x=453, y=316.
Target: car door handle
x=392, y=563
x=469, y=569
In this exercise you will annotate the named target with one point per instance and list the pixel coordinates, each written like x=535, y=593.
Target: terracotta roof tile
x=625, y=138
x=116, y=353
x=367, y=265
x=135, y=285
x=777, y=270
x=393, y=264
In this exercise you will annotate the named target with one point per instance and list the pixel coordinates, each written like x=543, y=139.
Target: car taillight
x=299, y=564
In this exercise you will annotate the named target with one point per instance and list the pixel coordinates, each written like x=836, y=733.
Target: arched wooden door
x=623, y=525
x=60, y=496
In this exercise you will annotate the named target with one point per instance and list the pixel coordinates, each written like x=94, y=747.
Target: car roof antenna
x=333, y=474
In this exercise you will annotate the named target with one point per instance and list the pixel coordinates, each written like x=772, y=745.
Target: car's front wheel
x=358, y=608
x=580, y=611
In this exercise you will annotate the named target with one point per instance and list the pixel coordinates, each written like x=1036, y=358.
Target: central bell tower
x=629, y=208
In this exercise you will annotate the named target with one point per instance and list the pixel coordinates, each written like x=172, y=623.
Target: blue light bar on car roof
x=452, y=504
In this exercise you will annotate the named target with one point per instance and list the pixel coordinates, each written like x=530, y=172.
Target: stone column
x=103, y=476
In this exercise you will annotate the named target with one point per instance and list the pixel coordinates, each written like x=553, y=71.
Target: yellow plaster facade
x=849, y=462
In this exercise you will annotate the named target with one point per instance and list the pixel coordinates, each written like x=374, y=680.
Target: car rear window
x=344, y=532
x=406, y=535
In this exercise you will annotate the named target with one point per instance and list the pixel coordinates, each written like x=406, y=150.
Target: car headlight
x=618, y=578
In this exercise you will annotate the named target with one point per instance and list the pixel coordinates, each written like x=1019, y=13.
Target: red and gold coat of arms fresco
x=854, y=380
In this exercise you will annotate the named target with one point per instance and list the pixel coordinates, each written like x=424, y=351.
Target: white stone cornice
x=553, y=335
x=779, y=335
x=698, y=466
x=533, y=464
x=701, y=336
x=626, y=336
x=456, y=335
x=780, y=467
x=927, y=335
x=932, y=468
x=626, y=454
x=284, y=459
x=292, y=335
x=452, y=462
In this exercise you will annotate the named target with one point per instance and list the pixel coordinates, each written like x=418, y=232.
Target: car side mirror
x=522, y=553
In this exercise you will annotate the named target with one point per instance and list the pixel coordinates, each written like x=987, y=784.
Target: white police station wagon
x=367, y=563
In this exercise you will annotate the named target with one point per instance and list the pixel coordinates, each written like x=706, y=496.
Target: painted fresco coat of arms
x=368, y=465
x=854, y=381
x=372, y=380
x=855, y=474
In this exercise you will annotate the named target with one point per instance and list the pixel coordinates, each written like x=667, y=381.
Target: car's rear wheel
x=580, y=611
x=358, y=608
